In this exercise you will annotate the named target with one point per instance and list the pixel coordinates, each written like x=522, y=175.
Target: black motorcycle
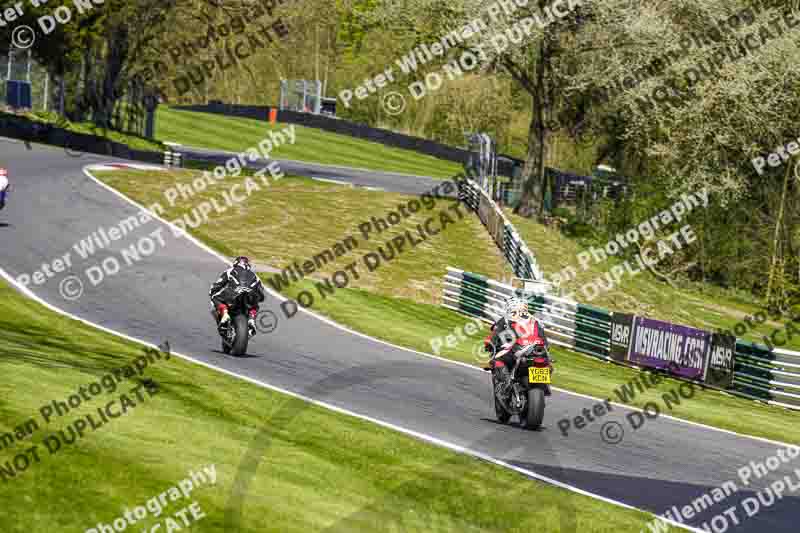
x=235, y=334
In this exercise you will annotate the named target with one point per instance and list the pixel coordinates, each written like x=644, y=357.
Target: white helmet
x=516, y=309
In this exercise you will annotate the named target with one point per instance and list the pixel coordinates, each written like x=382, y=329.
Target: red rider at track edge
x=3, y=187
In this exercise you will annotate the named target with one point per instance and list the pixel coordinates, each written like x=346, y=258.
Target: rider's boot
x=251, y=322
x=222, y=312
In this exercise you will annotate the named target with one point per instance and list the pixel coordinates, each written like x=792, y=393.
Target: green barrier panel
x=750, y=387
x=598, y=313
x=580, y=342
x=476, y=297
x=473, y=306
x=477, y=285
x=758, y=355
x=537, y=302
x=475, y=291
x=592, y=327
x=586, y=328
x=742, y=370
x=591, y=331
x=744, y=347
x=740, y=387
x=471, y=301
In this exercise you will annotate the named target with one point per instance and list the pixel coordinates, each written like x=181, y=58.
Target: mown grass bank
x=207, y=130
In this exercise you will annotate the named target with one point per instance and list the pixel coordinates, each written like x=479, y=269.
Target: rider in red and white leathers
x=504, y=334
x=3, y=187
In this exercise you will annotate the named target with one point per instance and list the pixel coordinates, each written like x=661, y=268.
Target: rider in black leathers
x=222, y=292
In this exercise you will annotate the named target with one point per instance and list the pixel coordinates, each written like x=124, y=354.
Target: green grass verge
x=235, y=134
x=298, y=218
x=413, y=325
x=320, y=469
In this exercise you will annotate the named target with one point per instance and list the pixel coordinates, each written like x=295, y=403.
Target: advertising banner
x=721, y=361
x=681, y=350
x=621, y=328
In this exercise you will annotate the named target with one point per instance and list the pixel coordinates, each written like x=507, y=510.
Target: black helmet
x=242, y=261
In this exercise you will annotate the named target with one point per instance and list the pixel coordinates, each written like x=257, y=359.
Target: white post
x=46, y=84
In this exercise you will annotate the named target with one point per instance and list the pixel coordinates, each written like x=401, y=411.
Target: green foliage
x=354, y=24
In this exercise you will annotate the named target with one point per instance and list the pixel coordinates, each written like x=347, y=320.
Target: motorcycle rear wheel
x=533, y=414
x=242, y=335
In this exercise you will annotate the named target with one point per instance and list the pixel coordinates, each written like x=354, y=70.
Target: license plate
x=538, y=375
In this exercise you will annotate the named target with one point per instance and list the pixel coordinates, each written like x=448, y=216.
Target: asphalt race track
x=164, y=297
x=388, y=181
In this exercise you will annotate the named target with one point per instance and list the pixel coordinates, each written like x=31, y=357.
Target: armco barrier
x=771, y=376
x=576, y=326
x=173, y=159
x=502, y=231
x=26, y=130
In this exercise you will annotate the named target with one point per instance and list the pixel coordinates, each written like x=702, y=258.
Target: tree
x=524, y=43
x=701, y=89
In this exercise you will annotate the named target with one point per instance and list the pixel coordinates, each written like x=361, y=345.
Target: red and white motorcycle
x=3, y=187
x=523, y=394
